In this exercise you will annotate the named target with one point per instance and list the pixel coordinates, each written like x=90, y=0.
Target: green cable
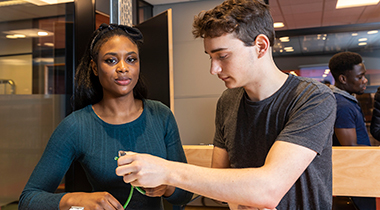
x=131, y=192
x=140, y=190
x=129, y=198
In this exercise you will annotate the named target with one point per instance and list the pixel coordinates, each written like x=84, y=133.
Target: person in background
x=112, y=114
x=272, y=144
x=349, y=71
x=375, y=122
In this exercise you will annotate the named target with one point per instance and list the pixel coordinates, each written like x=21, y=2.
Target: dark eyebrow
x=216, y=50
x=114, y=54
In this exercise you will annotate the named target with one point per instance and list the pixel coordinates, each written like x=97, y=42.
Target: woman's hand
x=93, y=201
x=162, y=190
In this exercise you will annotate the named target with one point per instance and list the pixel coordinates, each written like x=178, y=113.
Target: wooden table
x=356, y=170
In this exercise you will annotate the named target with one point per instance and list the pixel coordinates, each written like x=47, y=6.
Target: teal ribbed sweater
x=83, y=136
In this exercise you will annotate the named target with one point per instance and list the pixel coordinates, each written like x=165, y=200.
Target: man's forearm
x=228, y=185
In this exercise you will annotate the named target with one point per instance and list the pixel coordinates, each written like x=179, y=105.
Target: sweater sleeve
x=375, y=123
x=50, y=170
x=175, y=153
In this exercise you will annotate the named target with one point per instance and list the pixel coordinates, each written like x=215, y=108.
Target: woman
x=112, y=114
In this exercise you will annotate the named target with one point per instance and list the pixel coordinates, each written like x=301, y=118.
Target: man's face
x=355, y=79
x=231, y=60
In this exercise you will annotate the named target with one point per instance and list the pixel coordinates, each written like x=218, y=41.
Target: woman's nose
x=122, y=67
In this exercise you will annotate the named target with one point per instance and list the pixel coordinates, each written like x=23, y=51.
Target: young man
x=272, y=145
x=349, y=71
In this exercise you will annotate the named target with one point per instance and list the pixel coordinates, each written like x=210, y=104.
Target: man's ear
x=342, y=79
x=263, y=44
x=94, y=67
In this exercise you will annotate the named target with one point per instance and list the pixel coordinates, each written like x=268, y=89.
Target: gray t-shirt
x=302, y=112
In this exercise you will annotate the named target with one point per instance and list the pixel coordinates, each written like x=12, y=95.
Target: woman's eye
x=110, y=61
x=131, y=59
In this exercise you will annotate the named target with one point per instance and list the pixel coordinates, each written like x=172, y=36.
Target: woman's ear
x=94, y=67
x=263, y=44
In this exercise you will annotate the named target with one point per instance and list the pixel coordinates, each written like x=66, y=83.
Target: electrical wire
x=131, y=192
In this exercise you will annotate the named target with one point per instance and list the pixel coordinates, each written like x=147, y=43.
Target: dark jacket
x=375, y=123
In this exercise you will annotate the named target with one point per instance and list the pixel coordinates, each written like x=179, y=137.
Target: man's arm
x=346, y=136
x=220, y=158
x=261, y=187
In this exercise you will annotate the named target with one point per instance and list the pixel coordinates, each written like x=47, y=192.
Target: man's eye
x=223, y=56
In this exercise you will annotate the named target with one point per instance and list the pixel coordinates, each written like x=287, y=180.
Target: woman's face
x=117, y=67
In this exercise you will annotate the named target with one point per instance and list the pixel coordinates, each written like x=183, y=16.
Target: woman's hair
x=88, y=89
x=246, y=18
x=342, y=62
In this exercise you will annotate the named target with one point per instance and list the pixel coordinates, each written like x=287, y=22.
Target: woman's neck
x=118, y=111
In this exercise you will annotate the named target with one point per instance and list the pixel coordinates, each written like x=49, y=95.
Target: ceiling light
x=362, y=43
x=288, y=48
x=354, y=34
x=284, y=39
x=30, y=33
x=278, y=25
x=324, y=75
x=49, y=44
x=11, y=3
x=372, y=32
x=11, y=36
x=362, y=39
x=355, y=3
x=42, y=33
x=20, y=35
x=47, y=2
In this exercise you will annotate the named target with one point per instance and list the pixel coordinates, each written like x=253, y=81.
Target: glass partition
x=32, y=86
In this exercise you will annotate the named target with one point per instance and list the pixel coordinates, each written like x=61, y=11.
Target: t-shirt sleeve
x=218, y=136
x=311, y=120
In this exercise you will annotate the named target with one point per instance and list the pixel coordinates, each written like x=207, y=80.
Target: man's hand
x=96, y=200
x=143, y=170
x=162, y=190
x=238, y=207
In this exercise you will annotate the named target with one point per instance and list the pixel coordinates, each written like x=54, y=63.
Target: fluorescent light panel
x=48, y=2
x=278, y=25
x=355, y=3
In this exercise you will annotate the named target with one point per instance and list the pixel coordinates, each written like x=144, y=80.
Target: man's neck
x=340, y=86
x=270, y=82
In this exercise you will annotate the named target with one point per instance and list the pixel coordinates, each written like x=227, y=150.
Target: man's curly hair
x=246, y=18
x=342, y=62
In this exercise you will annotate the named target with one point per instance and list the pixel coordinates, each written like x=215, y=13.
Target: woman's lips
x=123, y=81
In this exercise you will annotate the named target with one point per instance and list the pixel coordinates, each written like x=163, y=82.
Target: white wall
x=196, y=91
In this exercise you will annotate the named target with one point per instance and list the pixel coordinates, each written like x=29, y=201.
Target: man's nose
x=215, y=68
